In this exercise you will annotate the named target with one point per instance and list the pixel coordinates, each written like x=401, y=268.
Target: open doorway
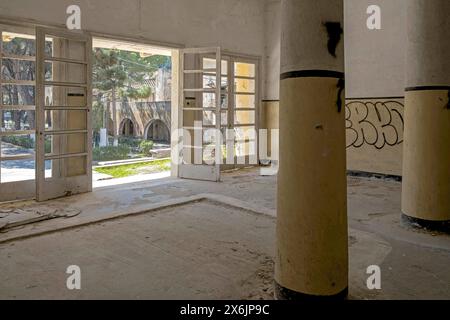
x=107, y=104
x=131, y=109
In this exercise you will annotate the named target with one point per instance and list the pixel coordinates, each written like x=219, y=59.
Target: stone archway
x=158, y=131
x=127, y=128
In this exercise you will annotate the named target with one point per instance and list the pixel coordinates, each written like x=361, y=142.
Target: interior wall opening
x=131, y=109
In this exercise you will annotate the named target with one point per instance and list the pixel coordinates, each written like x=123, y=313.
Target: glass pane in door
x=63, y=104
x=17, y=109
x=244, y=113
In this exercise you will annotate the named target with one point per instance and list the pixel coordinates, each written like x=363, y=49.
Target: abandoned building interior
x=225, y=149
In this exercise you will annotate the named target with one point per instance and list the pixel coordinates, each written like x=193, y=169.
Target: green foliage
x=130, y=141
x=136, y=168
x=26, y=142
x=19, y=45
x=145, y=147
x=123, y=74
x=118, y=69
x=48, y=146
x=137, y=145
x=20, y=141
x=133, y=93
x=108, y=73
x=110, y=153
x=20, y=69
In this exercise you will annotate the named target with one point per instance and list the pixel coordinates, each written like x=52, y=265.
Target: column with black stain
x=426, y=159
x=312, y=246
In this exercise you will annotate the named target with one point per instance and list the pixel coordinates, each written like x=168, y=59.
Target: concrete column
x=270, y=104
x=426, y=164
x=312, y=257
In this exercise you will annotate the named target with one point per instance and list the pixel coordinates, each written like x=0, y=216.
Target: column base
x=282, y=293
x=437, y=226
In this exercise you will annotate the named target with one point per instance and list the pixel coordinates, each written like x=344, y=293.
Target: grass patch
x=110, y=153
x=126, y=170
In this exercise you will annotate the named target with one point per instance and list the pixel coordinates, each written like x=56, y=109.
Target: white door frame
x=231, y=59
x=49, y=188
x=197, y=171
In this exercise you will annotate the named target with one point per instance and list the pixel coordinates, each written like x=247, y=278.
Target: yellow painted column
x=426, y=163
x=312, y=246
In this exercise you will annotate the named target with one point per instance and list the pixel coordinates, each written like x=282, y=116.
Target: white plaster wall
x=235, y=25
x=375, y=59
x=272, y=36
x=375, y=67
x=428, y=48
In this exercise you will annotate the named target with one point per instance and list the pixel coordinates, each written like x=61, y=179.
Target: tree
x=108, y=75
x=16, y=69
x=124, y=74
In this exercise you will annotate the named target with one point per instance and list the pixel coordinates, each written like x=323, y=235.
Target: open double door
x=45, y=110
x=218, y=113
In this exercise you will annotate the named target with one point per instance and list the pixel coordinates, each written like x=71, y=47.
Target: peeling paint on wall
x=334, y=30
x=341, y=88
x=448, y=102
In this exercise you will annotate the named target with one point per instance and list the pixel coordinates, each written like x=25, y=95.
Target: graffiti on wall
x=378, y=124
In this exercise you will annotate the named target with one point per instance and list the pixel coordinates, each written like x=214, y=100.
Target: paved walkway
x=19, y=170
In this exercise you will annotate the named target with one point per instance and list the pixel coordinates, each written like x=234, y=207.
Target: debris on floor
x=15, y=216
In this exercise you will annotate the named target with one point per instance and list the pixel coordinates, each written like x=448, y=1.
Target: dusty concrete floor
x=209, y=249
